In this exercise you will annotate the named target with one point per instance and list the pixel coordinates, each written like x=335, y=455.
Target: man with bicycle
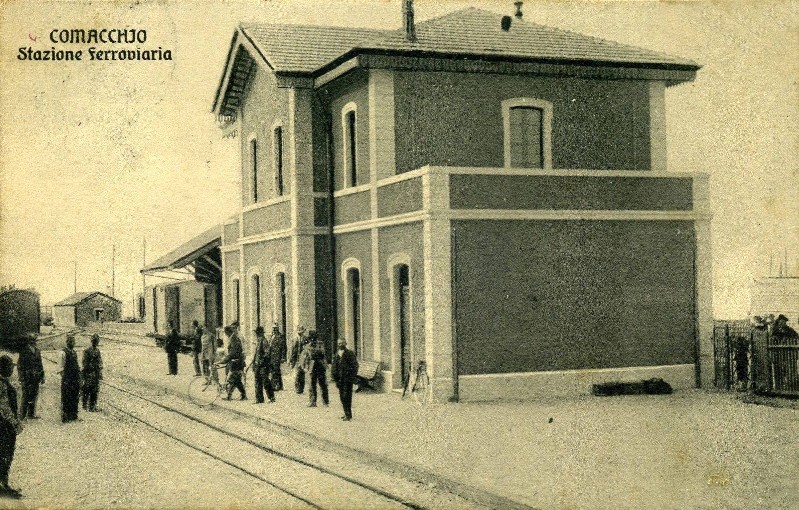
x=261, y=362
x=235, y=363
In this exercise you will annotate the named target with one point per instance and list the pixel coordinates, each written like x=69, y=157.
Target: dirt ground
x=103, y=461
x=693, y=449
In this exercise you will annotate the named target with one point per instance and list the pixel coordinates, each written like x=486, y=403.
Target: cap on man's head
x=259, y=330
x=228, y=330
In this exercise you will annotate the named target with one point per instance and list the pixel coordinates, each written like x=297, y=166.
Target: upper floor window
x=350, y=143
x=254, y=168
x=528, y=133
x=277, y=154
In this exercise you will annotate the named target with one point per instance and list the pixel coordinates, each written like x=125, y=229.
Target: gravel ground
x=104, y=462
x=693, y=449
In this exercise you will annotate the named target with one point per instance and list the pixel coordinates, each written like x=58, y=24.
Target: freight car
x=20, y=316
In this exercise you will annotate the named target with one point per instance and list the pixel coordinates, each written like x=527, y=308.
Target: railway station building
x=484, y=194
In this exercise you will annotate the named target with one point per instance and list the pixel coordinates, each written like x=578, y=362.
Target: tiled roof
x=298, y=48
x=477, y=32
x=474, y=32
x=78, y=297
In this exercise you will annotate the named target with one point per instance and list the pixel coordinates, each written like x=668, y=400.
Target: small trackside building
x=495, y=203
x=84, y=308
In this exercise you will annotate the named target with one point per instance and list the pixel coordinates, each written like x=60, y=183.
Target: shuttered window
x=526, y=137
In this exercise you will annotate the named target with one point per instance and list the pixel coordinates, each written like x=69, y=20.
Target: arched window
x=277, y=158
x=256, y=300
x=349, y=125
x=236, y=290
x=528, y=133
x=254, y=169
x=353, y=305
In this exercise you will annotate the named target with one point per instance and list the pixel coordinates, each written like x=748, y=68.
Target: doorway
x=404, y=305
x=354, y=284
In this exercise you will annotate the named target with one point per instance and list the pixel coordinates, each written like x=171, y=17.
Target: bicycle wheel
x=423, y=392
x=202, y=392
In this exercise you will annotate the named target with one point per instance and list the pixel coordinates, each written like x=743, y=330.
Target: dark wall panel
x=455, y=119
x=561, y=295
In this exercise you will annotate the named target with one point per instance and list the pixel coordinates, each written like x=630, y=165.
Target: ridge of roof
x=79, y=297
x=395, y=40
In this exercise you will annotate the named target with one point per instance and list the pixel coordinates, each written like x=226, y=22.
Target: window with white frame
x=527, y=133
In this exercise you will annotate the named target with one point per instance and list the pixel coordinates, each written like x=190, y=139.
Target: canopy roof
x=188, y=252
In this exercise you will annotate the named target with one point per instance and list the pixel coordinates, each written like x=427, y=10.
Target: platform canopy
x=198, y=257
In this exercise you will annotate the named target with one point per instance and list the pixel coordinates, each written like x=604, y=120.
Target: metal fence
x=751, y=359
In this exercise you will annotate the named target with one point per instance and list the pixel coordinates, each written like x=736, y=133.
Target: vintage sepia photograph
x=377, y=254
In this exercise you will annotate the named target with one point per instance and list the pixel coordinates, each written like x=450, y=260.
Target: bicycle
x=418, y=385
x=205, y=391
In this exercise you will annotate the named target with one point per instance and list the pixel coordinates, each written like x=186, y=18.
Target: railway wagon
x=20, y=316
x=180, y=303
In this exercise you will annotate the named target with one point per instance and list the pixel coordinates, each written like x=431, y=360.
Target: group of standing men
x=308, y=357
x=14, y=411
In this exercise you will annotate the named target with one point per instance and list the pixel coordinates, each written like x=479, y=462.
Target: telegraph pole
x=113, y=257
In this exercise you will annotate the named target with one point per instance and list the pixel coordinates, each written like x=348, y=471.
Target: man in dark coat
x=235, y=362
x=10, y=425
x=31, y=376
x=92, y=374
x=345, y=373
x=294, y=360
x=782, y=332
x=171, y=346
x=277, y=353
x=313, y=361
x=70, y=381
x=197, y=347
x=260, y=368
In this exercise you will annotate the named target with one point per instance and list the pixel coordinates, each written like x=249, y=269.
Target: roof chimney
x=518, y=5
x=407, y=20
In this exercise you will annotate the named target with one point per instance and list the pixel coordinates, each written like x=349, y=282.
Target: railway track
x=304, y=481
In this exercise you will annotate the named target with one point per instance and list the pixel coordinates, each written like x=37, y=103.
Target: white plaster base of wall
x=564, y=383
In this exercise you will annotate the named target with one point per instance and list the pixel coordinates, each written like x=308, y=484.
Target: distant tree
x=4, y=288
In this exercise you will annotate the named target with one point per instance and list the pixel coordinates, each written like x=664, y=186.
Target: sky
x=97, y=155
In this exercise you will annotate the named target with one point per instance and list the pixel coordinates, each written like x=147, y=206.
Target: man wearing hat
x=277, y=352
x=31, y=376
x=69, y=369
x=313, y=361
x=260, y=368
x=92, y=374
x=10, y=425
x=294, y=360
x=345, y=374
x=782, y=331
